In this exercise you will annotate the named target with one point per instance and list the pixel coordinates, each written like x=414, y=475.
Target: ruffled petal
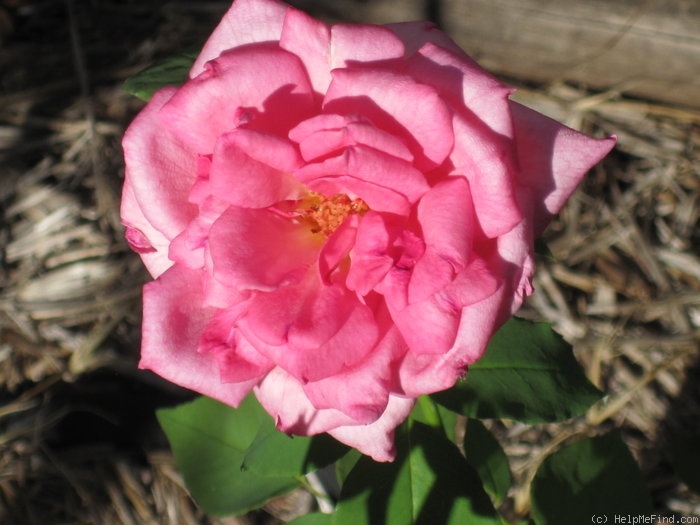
x=142, y=237
x=477, y=324
x=188, y=248
x=311, y=330
x=174, y=319
x=381, y=95
x=406, y=250
x=329, y=133
x=553, y=160
x=422, y=371
x=246, y=22
x=445, y=215
x=377, y=439
x=259, y=249
x=160, y=170
x=221, y=295
x=252, y=169
x=512, y=260
x=353, y=44
x=337, y=247
x=415, y=35
x=384, y=182
x=488, y=161
x=515, y=255
x=259, y=87
x=309, y=39
x=283, y=397
x=431, y=326
x=372, y=379
x=421, y=374
x=466, y=87
x=371, y=257
x=237, y=359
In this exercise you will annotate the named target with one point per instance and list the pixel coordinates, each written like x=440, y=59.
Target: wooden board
x=649, y=49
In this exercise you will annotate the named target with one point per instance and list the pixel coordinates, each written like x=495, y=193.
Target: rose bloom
x=336, y=218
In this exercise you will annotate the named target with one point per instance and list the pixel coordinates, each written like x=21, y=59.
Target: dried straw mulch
x=624, y=285
x=78, y=441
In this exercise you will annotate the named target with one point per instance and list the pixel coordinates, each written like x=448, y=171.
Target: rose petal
x=323, y=121
x=477, y=323
x=487, y=160
x=221, y=295
x=173, y=321
x=142, y=237
x=309, y=329
x=515, y=251
x=337, y=247
x=252, y=169
x=384, y=182
x=309, y=39
x=425, y=123
x=415, y=35
x=138, y=241
x=467, y=87
x=553, y=160
x=201, y=189
x=372, y=379
x=283, y=397
x=422, y=371
x=259, y=249
x=352, y=44
x=445, y=215
x=513, y=261
x=371, y=256
x=189, y=247
x=325, y=134
x=160, y=171
x=237, y=359
x=377, y=439
x=258, y=86
x=246, y=22
x=431, y=326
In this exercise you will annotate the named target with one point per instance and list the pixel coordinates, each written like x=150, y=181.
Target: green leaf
x=485, y=454
x=429, y=482
x=528, y=373
x=170, y=72
x=430, y=413
x=685, y=458
x=209, y=440
x=273, y=453
x=593, y=477
x=315, y=518
x=344, y=465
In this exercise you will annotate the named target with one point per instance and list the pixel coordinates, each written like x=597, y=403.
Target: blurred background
x=78, y=439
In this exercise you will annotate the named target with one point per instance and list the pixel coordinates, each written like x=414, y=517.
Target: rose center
x=325, y=214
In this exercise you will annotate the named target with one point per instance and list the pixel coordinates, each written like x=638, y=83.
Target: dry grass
x=624, y=285
x=78, y=443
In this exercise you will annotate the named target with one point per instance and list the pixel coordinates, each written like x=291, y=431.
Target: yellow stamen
x=325, y=214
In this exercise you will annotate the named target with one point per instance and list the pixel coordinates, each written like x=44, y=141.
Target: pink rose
x=337, y=218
